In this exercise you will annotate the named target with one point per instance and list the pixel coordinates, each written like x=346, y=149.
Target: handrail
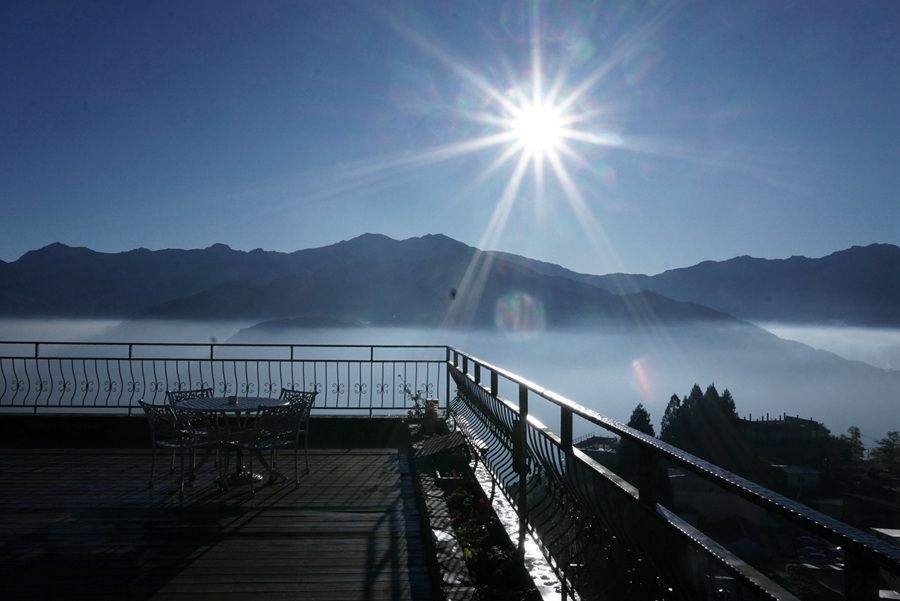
x=860, y=546
x=223, y=344
x=113, y=376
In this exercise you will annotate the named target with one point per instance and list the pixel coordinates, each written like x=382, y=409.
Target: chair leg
x=252, y=489
x=306, y=448
x=192, y=475
x=223, y=470
x=152, y=464
x=181, y=478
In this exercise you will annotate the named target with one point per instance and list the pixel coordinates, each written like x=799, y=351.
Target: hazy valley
x=608, y=351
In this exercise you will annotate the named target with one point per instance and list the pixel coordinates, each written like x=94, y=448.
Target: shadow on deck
x=82, y=523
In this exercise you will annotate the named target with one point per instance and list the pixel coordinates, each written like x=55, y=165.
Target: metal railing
x=610, y=537
x=113, y=377
x=607, y=533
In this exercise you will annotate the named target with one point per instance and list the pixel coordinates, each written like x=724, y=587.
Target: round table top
x=220, y=403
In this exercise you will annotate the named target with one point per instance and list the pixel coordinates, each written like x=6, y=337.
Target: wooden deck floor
x=83, y=524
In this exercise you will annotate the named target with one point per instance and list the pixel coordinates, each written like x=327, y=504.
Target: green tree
x=670, y=428
x=695, y=398
x=727, y=403
x=630, y=454
x=853, y=441
x=640, y=420
x=706, y=425
x=886, y=454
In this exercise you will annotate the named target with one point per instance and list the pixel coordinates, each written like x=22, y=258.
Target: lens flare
x=519, y=313
x=642, y=378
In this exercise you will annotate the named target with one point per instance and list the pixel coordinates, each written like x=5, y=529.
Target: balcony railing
x=608, y=535
x=611, y=538
x=63, y=376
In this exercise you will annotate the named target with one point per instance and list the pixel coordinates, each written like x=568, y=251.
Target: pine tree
x=630, y=454
x=669, y=428
x=728, y=404
x=640, y=420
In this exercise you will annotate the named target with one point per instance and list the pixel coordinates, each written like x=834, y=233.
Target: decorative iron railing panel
x=83, y=377
x=609, y=538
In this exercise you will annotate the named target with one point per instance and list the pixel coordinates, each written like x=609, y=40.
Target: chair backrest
x=299, y=397
x=162, y=422
x=284, y=423
x=177, y=396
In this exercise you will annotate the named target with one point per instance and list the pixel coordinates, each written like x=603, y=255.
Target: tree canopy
x=886, y=454
x=705, y=424
x=640, y=420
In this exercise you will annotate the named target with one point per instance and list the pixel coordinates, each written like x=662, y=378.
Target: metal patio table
x=243, y=409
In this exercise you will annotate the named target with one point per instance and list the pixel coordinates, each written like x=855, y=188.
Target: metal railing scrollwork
x=112, y=377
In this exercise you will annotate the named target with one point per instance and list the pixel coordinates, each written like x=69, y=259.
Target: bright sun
x=537, y=127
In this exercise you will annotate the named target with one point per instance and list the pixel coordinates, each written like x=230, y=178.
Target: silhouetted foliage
x=728, y=403
x=670, y=428
x=631, y=456
x=705, y=424
x=640, y=420
x=855, y=448
x=886, y=454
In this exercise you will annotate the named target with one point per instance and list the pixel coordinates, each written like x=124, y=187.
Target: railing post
x=447, y=384
x=565, y=426
x=465, y=366
x=477, y=373
x=37, y=346
x=520, y=452
x=494, y=386
x=647, y=478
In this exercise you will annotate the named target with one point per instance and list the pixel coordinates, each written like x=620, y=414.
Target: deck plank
x=83, y=524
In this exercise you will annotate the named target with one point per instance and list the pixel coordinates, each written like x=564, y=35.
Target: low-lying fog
x=611, y=370
x=878, y=347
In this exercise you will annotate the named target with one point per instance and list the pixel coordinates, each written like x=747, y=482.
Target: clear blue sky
x=761, y=128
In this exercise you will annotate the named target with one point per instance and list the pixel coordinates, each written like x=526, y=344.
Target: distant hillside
x=60, y=280
x=371, y=279
x=433, y=281
x=857, y=286
x=375, y=279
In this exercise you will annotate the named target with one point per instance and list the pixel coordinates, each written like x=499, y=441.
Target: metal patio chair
x=278, y=428
x=177, y=396
x=199, y=424
x=170, y=429
x=298, y=396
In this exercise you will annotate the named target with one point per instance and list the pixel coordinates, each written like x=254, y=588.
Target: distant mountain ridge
x=433, y=279
x=374, y=280
x=369, y=280
x=856, y=286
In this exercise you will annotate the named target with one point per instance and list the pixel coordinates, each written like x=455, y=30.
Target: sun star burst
x=537, y=127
